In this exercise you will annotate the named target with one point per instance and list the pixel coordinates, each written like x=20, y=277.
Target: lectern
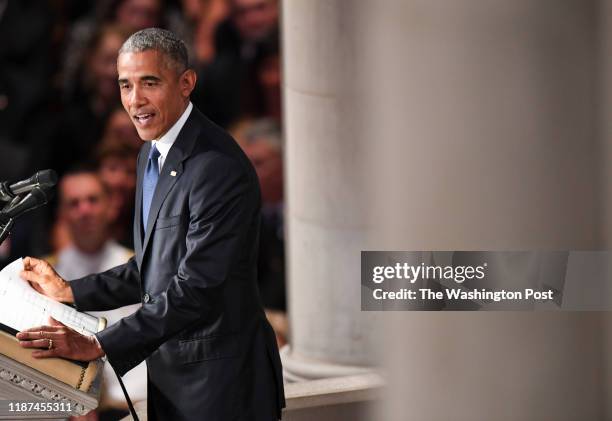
x=45, y=388
x=29, y=394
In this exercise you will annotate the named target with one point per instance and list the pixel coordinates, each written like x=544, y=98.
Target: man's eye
x=149, y=84
x=124, y=86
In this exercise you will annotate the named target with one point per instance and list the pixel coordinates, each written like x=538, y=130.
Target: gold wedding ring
x=50, y=344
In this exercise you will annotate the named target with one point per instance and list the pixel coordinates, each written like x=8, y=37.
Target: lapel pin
x=173, y=173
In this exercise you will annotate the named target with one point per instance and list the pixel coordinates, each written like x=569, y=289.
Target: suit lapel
x=170, y=172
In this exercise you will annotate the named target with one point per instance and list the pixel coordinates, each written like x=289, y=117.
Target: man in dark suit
x=210, y=352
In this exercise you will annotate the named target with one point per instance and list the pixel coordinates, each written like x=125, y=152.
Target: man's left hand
x=58, y=340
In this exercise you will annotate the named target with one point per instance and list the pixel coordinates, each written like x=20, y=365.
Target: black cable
x=127, y=397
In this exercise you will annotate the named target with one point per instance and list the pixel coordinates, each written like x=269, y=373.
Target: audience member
x=267, y=74
x=225, y=91
x=204, y=16
x=120, y=131
x=254, y=20
x=117, y=169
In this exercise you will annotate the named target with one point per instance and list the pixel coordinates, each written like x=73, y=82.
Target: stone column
x=326, y=202
x=485, y=114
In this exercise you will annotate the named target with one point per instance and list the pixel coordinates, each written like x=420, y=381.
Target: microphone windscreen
x=46, y=178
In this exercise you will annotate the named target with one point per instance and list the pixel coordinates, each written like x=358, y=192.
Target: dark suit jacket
x=210, y=352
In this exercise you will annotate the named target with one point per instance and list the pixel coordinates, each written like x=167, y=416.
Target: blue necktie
x=148, y=184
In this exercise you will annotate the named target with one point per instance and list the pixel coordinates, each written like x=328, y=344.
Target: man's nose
x=84, y=207
x=137, y=97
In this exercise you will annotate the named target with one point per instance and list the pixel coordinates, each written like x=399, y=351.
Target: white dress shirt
x=164, y=143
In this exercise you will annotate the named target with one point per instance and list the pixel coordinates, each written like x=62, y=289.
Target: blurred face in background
x=193, y=9
x=119, y=174
x=102, y=65
x=84, y=207
x=269, y=77
x=269, y=73
x=254, y=19
x=139, y=14
x=120, y=127
x=268, y=163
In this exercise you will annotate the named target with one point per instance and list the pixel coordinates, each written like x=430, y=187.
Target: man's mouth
x=143, y=118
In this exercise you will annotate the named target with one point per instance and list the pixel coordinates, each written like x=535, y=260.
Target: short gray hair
x=162, y=40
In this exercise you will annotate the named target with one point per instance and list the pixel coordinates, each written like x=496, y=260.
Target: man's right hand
x=45, y=280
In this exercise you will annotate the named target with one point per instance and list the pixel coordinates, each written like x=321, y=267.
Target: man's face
x=268, y=163
x=139, y=14
x=119, y=174
x=254, y=18
x=152, y=92
x=84, y=206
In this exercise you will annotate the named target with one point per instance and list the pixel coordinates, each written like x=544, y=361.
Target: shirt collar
x=164, y=143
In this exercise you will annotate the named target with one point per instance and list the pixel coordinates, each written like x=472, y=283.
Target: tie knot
x=153, y=153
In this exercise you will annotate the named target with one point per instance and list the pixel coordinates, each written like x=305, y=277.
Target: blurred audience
x=117, y=169
x=267, y=75
x=85, y=211
x=98, y=69
x=85, y=110
x=204, y=16
x=259, y=133
x=225, y=90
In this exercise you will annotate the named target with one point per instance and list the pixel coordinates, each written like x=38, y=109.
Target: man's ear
x=187, y=82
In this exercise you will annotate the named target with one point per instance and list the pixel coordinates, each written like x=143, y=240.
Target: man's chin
x=145, y=135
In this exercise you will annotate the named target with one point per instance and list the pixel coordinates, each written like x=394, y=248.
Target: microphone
x=35, y=199
x=44, y=179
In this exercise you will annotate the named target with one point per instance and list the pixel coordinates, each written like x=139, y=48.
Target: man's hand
x=45, y=280
x=58, y=340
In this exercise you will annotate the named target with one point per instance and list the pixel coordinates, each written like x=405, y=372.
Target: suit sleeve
x=223, y=200
x=117, y=287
